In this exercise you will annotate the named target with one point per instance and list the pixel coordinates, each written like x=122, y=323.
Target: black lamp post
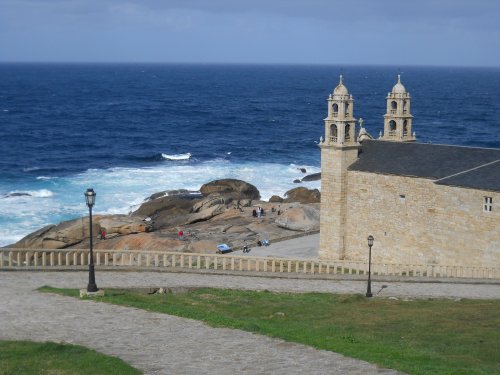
x=369, y=287
x=90, y=199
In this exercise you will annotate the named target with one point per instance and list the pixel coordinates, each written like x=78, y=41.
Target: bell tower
x=398, y=120
x=339, y=150
x=340, y=123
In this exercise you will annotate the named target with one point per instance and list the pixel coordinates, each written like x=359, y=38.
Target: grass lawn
x=26, y=357
x=425, y=336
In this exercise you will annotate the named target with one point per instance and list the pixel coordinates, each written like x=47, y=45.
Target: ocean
x=129, y=130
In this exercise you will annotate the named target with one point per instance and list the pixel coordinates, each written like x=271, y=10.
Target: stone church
x=423, y=203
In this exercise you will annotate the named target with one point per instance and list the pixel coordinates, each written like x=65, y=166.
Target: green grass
x=426, y=336
x=48, y=358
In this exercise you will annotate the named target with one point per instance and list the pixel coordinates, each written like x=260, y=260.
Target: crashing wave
x=185, y=156
x=43, y=193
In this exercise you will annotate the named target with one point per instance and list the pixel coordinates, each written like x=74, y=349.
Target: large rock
x=211, y=201
x=303, y=195
x=223, y=214
x=59, y=236
x=301, y=218
x=72, y=232
x=312, y=177
x=167, y=211
x=123, y=224
x=170, y=193
x=142, y=241
x=177, y=204
x=275, y=199
x=182, y=208
x=205, y=214
x=236, y=188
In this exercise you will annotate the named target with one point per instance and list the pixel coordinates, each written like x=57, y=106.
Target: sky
x=387, y=32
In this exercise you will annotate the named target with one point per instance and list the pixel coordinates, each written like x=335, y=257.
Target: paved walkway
x=305, y=247
x=163, y=344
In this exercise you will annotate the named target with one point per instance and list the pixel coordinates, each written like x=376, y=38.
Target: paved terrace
x=163, y=344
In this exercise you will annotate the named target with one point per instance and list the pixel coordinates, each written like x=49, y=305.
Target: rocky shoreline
x=222, y=211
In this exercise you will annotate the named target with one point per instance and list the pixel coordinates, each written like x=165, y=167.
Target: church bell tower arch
x=398, y=119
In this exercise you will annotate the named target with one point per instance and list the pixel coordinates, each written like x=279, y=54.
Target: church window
x=488, y=204
x=405, y=128
x=404, y=106
x=335, y=109
x=347, y=131
x=394, y=106
x=333, y=133
x=346, y=108
x=392, y=127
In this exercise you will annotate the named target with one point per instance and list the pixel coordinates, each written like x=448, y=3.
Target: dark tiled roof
x=482, y=178
x=471, y=167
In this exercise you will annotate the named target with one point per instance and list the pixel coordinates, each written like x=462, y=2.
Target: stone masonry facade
x=415, y=221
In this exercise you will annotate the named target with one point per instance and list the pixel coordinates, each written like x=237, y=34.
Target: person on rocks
x=181, y=235
x=103, y=233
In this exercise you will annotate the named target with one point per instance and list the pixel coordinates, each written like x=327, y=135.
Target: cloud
x=316, y=31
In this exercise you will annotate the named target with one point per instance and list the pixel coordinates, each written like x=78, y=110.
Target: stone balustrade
x=45, y=259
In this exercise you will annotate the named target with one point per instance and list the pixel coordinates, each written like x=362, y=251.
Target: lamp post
x=369, y=287
x=90, y=199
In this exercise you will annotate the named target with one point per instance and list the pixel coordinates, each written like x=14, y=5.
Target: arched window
x=335, y=109
x=346, y=108
x=392, y=127
x=347, y=135
x=333, y=133
x=404, y=106
x=394, y=107
x=405, y=127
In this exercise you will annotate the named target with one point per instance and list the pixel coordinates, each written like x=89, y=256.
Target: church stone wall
x=416, y=221
x=334, y=163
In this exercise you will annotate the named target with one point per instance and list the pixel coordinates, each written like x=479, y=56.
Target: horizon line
x=69, y=62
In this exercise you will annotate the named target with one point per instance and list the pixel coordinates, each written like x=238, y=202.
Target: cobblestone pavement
x=163, y=344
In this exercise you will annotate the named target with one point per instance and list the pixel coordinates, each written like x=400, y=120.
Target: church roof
x=469, y=167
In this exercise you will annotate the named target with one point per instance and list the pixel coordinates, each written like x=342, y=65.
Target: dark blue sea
x=129, y=130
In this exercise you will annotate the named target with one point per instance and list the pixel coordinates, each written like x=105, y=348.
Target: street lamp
x=369, y=287
x=90, y=199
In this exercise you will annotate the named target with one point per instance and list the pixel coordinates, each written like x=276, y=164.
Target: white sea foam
x=121, y=190
x=42, y=193
x=30, y=169
x=185, y=156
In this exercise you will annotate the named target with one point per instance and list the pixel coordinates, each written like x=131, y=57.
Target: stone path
x=163, y=344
